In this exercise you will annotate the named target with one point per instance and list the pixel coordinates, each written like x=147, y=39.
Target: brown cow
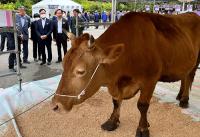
x=132, y=55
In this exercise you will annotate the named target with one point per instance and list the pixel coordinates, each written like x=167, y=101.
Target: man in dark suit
x=60, y=24
x=44, y=29
x=3, y=39
x=96, y=19
x=23, y=23
x=11, y=46
x=76, y=13
x=34, y=38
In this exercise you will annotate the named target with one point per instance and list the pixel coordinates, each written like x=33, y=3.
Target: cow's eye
x=80, y=72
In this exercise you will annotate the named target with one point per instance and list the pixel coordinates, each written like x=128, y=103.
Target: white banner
x=147, y=7
x=6, y=18
x=156, y=7
x=177, y=8
x=189, y=8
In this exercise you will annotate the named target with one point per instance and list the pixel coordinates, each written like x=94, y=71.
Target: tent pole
x=113, y=13
x=17, y=51
x=77, y=26
x=135, y=5
x=115, y=9
x=183, y=8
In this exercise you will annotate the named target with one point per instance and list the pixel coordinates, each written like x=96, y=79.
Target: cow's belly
x=126, y=88
x=168, y=78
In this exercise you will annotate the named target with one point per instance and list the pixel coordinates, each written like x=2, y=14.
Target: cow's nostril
x=55, y=108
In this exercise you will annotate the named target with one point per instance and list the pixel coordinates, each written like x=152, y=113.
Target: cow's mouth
x=58, y=107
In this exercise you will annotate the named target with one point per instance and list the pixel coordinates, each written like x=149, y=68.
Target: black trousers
x=11, y=46
x=25, y=49
x=36, y=49
x=96, y=24
x=3, y=39
x=42, y=45
x=61, y=40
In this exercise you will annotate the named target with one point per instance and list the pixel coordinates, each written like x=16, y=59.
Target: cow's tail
x=192, y=74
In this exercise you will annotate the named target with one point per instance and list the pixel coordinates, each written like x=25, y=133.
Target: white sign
x=189, y=8
x=177, y=8
x=156, y=7
x=147, y=7
x=6, y=18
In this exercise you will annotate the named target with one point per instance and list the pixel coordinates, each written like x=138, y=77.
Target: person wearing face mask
x=60, y=24
x=34, y=38
x=44, y=29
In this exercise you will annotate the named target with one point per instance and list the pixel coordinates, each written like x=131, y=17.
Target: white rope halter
x=83, y=91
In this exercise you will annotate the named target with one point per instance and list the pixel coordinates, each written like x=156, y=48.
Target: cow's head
x=79, y=65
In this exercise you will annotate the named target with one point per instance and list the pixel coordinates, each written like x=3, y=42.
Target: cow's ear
x=92, y=39
x=112, y=53
x=64, y=61
x=71, y=36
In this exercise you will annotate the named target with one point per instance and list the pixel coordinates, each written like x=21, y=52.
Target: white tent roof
x=51, y=5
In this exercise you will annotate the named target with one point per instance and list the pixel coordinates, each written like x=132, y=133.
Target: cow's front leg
x=142, y=130
x=113, y=122
x=143, y=105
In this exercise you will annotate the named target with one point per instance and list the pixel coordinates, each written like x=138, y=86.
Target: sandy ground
x=84, y=120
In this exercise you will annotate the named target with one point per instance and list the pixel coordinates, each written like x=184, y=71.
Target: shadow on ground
x=45, y=72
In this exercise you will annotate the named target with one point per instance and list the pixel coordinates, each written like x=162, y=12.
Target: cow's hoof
x=110, y=125
x=144, y=133
x=178, y=97
x=184, y=102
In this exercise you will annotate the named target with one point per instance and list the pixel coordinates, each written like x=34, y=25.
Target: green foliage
x=7, y=1
x=92, y=6
x=13, y=6
x=9, y=6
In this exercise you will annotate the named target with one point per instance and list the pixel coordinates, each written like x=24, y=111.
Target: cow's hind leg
x=143, y=105
x=183, y=95
x=113, y=122
x=181, y=91
x=186, y=85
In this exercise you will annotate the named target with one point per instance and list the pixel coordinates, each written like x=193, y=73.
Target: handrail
x=9, y=51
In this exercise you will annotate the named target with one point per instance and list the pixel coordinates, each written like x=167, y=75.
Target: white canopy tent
x=51, y=5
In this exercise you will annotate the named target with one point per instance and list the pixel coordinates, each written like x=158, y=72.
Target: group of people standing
x=42, y=29
x=22, y=25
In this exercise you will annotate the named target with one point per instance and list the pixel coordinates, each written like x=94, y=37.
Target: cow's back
x=165, y=44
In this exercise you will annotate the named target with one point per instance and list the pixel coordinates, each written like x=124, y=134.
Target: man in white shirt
x=60, y=24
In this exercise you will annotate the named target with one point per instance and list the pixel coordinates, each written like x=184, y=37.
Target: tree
x=36, y=1
x=7, y=1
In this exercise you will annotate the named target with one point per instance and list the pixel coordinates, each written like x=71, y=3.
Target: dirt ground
x=166, y=120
